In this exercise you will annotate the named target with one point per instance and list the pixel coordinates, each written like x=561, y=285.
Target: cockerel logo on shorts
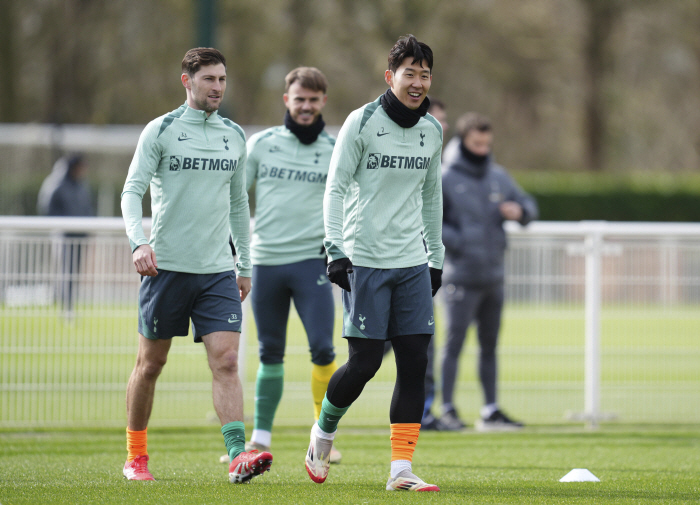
x=373, y=161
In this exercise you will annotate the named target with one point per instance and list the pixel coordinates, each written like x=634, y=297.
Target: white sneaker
x=406, y=481
x=335, y=456
x=318, y=456
x=497, y=421
x=254, y=446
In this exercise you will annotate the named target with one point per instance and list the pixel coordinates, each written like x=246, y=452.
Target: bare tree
x=602, y=16
x=8, y=97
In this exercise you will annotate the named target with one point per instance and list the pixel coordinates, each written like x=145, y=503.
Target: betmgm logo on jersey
x=178, y=163
x=379, y=160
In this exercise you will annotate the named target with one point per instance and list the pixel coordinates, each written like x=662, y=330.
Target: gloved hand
x=435, y=279
x=337, y=272
x=233, y=247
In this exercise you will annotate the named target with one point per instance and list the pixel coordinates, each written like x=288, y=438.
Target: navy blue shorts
x=169, y=300
x=306, y=283
x=386, y=303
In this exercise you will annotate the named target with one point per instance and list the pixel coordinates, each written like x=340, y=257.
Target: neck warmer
x=477, y=163
x=399, y=113
x=477, y=159
x=306, y=134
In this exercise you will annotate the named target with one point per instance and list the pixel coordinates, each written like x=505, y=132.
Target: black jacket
x=472, y=226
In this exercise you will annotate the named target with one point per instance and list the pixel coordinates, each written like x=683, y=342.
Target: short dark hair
x=309, y=78
x=473, y=121
x=408, y=46
x=201, y=57
x=74, y=160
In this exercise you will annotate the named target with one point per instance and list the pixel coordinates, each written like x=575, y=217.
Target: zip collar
x=196, y=115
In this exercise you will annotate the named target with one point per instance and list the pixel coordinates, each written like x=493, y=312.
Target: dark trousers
x=70, y=269
x=276, y=286
x=464, y=305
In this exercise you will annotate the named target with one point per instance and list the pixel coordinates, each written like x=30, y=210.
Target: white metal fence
x=601, y=322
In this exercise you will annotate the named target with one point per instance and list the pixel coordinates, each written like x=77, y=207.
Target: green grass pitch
x=636, y=465
x=59, y=373
x=649, y=370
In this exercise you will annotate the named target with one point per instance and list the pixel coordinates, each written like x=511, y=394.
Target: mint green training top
x=195, y=166
x=384, y=192
x=290, y=180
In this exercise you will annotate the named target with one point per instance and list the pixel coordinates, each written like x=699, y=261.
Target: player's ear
x=185, y=80
x=388, y=77
x=285, y=97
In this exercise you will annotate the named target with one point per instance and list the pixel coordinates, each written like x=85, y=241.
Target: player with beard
x=289, y=166
x=194, y=161
x=383, y=219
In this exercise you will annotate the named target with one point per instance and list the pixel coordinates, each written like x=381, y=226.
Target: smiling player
x=289, y=165
x=383, y=220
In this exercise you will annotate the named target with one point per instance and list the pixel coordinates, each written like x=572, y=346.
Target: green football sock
x=234, y=438
x=268, y=393
x=330, y=415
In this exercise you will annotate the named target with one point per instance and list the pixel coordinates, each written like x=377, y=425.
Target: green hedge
x=611, y=197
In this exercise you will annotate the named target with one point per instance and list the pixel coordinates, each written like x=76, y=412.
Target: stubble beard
x=205, y=106
x=203, y=103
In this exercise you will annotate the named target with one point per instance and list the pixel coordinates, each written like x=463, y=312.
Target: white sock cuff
x=318, y=432
x=261, y=437
x=399, y=466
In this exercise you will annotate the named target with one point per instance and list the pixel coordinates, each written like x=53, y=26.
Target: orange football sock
x=136, y=444
x=404, y=437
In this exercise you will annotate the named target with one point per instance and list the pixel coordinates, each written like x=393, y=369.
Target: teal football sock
x=330, y=416
x=268, y=393
x=234, y=438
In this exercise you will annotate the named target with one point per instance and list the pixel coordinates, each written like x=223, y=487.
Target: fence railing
x=602, y=321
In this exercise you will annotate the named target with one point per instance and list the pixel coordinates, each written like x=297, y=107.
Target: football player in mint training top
x=194, y=161
x=383, y=218
x=289, y=166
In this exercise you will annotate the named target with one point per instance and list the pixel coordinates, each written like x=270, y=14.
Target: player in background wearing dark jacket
x=478, y=197
x=66, y=192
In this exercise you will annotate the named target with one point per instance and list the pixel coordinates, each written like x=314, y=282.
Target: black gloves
x=233, y=247
x=337, y=272
x=435, y=279
x=339, y=269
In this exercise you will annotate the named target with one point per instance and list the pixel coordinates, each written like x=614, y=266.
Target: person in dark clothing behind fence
x=65, y=192
x=478, y=197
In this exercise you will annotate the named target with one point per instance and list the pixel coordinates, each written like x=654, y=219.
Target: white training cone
x=579, y=475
